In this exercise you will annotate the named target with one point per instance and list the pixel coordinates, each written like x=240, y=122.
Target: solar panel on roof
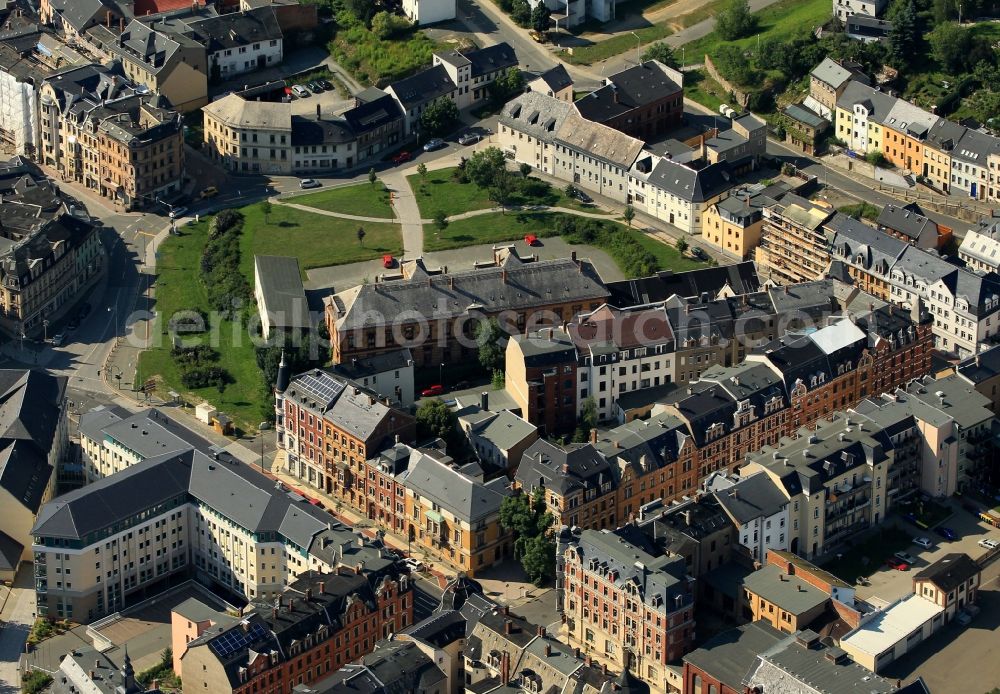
x=237, y=639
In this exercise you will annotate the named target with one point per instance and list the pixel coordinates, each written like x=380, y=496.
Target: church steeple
x=284, y=375
x=128, y=675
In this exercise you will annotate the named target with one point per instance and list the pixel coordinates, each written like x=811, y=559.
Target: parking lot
x=888, y=584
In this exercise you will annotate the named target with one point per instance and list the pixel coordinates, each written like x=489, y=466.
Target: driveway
x=17, y=616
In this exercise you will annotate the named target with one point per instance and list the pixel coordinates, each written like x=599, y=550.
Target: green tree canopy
x=439, y=118
x=541, y=18
x=904, y=37
x=435, y=420
x=951, y=46
x=735, y=20
x=489, y=337
x=662, y=52
x=485, y=166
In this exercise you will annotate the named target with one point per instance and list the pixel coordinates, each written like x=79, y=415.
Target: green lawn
x=316, y=240
x=440, y=192
x=602, y=50
x=363, y=199
x=782, y=20
x=701, y=88
x=489, y=228
x=869, y=555
x=376, y=61
x=178, y=287
x=669, y=257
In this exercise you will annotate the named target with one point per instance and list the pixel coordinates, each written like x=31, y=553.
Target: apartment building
x=434, y=315
x=676, y=193
x=827, y=82
x=555, y=82
x=194, y=514
x=733, y=225
x=982, y=372
x=758, y=509
x=624, y=606
x=952, y=582
x=595, y=156
x=113, y=439
x=842, y=9
x=865, y=254
x=390, y=374
x=463, y=77
x=328, y=427
x=905, y=130
x=576, y=482
x=644, y=101
x=239, y=42
x=170, y=65
x=50, y=250
x=981, y=245
x=541, y=376
x=909, y=224
x=793, y=246
x=453, y=514
x=527, y=129
x=116, y=139
x=34, y=438
x=621, y=351
x=860, y=116
x=498, y=439
x=317, y=624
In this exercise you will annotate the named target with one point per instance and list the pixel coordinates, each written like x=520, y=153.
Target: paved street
x=17, y=616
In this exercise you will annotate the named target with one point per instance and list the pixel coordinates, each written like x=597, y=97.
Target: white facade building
x=18, y=113
x=758, y=509
x=422, y=12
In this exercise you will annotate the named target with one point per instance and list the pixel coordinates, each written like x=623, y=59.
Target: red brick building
x=623, y=606
x=541, y=377
x=644, y=101
x=320, y=623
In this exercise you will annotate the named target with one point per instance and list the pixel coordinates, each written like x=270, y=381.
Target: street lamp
x=638, y=47
x=45, y=330
x=441, y=373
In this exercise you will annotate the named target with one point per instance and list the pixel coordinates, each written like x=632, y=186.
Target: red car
x=388, y=261
x=531, y=240
x=402, y=157
x=896, y=564
x=432, y=391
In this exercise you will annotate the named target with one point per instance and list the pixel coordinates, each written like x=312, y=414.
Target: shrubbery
x=228, y=289
x=632, y=258
x=205, y=377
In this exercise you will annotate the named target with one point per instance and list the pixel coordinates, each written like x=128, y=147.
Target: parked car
x=469, y=139
x=946, y=533
x=300, y=91
x=924, y=542
x=987, y=543
x=905, y=558
x=910, y=517
x=412, y=564
x=326, y=84
x=209, y=192
x=401, y=158
x=963, y=618
x=531, y=240
x=896, y=564
x=582, y=197
x=699, y=253
x=316, y=88
x=309, y=183
x=435, y=143
x=58, y=339
x=388, y=261
x=435, y=389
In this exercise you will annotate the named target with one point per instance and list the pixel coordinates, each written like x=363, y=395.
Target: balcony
x=41, y=587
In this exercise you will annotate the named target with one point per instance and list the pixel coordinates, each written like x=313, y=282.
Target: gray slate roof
x=282, y=290
x=789, y=593
x=729, y=656
x=690, y=185
x=756, y=496
x=535, y=114
x=465, y=497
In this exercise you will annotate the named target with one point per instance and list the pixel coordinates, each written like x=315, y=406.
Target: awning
x=434, y=516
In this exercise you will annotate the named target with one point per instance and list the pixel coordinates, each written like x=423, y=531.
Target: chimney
x=318, y=110
x=309, y=593
x=548, y=649
x=576, y=653
x=451, y=281
x=572, y=256
x=484, y=400
x=121, y=24
x=291, y=604
x=503, y=276
x=587, y=660
x=274, y=614
x=506, y=610
x=541, y=631
x=593, y=436
x=507, y=625
x=358, y=567
x=504, y=668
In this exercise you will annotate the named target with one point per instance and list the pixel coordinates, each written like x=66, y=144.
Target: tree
x=628, y=215
x=435, y=420
x=439, y=117
x=662, y=52
x=682, y=245
x=489, y=337
x=484, y=166
x=266, y=208
x=904, y=37
x=501, y=190
x=570, y=190
x=520, y=12
x=735, y=20
x=385, y=25
x=422, y=171
x=440, y=220
x=361, y=236
x=363, y=10
x=372, y=178
x=541, y=18
x=525, y=169
x=876, y=158
x=508, y=83
x=528, y=519
x=951, y=46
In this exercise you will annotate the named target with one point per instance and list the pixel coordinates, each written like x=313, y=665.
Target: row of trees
x=538, y=18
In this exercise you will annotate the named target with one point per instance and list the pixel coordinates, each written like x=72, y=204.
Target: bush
x=228, y=289
x=634, y=260
x=735, y=21
x=35, y=681
x=205, y=377
x=194, y=356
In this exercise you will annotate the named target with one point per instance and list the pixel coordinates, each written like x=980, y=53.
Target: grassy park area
x=362, y=199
